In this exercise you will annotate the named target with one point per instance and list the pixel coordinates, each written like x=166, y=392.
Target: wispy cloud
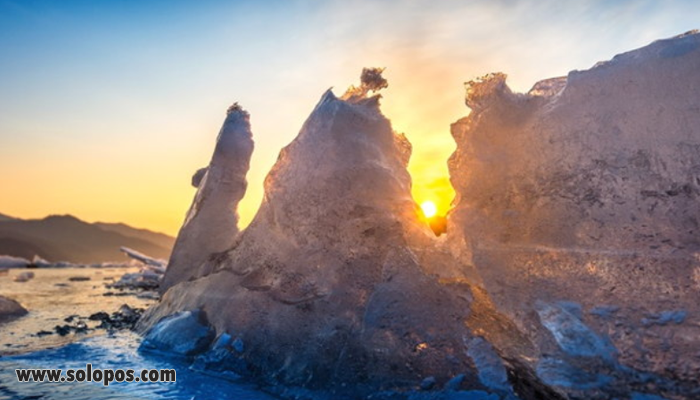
x=140, y=88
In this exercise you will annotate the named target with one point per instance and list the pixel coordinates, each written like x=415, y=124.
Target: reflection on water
x=117, y=351
x=50, y=297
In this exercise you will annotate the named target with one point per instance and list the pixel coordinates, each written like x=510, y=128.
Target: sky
x=107, y=108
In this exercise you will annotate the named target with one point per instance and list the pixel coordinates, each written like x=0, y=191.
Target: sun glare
x=429, y=209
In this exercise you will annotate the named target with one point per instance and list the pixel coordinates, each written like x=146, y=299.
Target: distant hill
x=158, y=238
x=4, y=217
x=66, y=238
x=28, y=248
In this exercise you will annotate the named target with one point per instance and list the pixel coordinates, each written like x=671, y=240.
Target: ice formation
x=148, y=278
x=337, y=285
x=570, y=268
x=587, y=189
x=212, y=221
x=183, y=333
x=7, y=262
x=155, y=264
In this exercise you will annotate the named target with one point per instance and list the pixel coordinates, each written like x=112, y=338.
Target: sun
x=429, y=209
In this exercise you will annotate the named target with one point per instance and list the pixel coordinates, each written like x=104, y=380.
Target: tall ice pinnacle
x=212, y=221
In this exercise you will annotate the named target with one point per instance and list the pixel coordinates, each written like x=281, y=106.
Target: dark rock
x=70, y=318
x=124, y=318
x=99, y=316
x=128, y=313
x=62, y=330
x=10, y=309
x=117, y=293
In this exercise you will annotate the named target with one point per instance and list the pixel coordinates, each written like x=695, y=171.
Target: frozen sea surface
x=117, y=351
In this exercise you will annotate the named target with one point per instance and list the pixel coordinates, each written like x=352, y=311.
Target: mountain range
x=67, y=238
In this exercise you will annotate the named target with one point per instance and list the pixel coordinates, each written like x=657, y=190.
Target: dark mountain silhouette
x=29, y=247
x=4, y=217
x=66, y=238
x=158, y=238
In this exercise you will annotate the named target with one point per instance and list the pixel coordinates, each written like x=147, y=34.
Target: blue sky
x=108, y=107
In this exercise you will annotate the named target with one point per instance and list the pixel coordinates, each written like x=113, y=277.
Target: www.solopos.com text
x=89, y=374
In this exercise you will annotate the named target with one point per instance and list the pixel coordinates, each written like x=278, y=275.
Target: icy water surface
x=114, y=351
x=50, y=298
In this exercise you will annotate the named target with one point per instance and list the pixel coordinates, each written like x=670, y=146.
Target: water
x=116, y=351
x=50, y=297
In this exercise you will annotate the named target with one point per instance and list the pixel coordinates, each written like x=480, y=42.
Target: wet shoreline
x=116, y=350
x=74, y=318
x=59, y=303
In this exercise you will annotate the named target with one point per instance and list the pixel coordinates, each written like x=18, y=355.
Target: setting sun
x=429, y=209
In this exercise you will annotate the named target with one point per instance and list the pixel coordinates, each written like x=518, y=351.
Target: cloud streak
x=132, y=95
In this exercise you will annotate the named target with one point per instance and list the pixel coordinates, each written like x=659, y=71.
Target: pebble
x=24, y=276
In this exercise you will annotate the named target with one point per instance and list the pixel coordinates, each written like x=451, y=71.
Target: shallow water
x=50, y=297
x=114, y=351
